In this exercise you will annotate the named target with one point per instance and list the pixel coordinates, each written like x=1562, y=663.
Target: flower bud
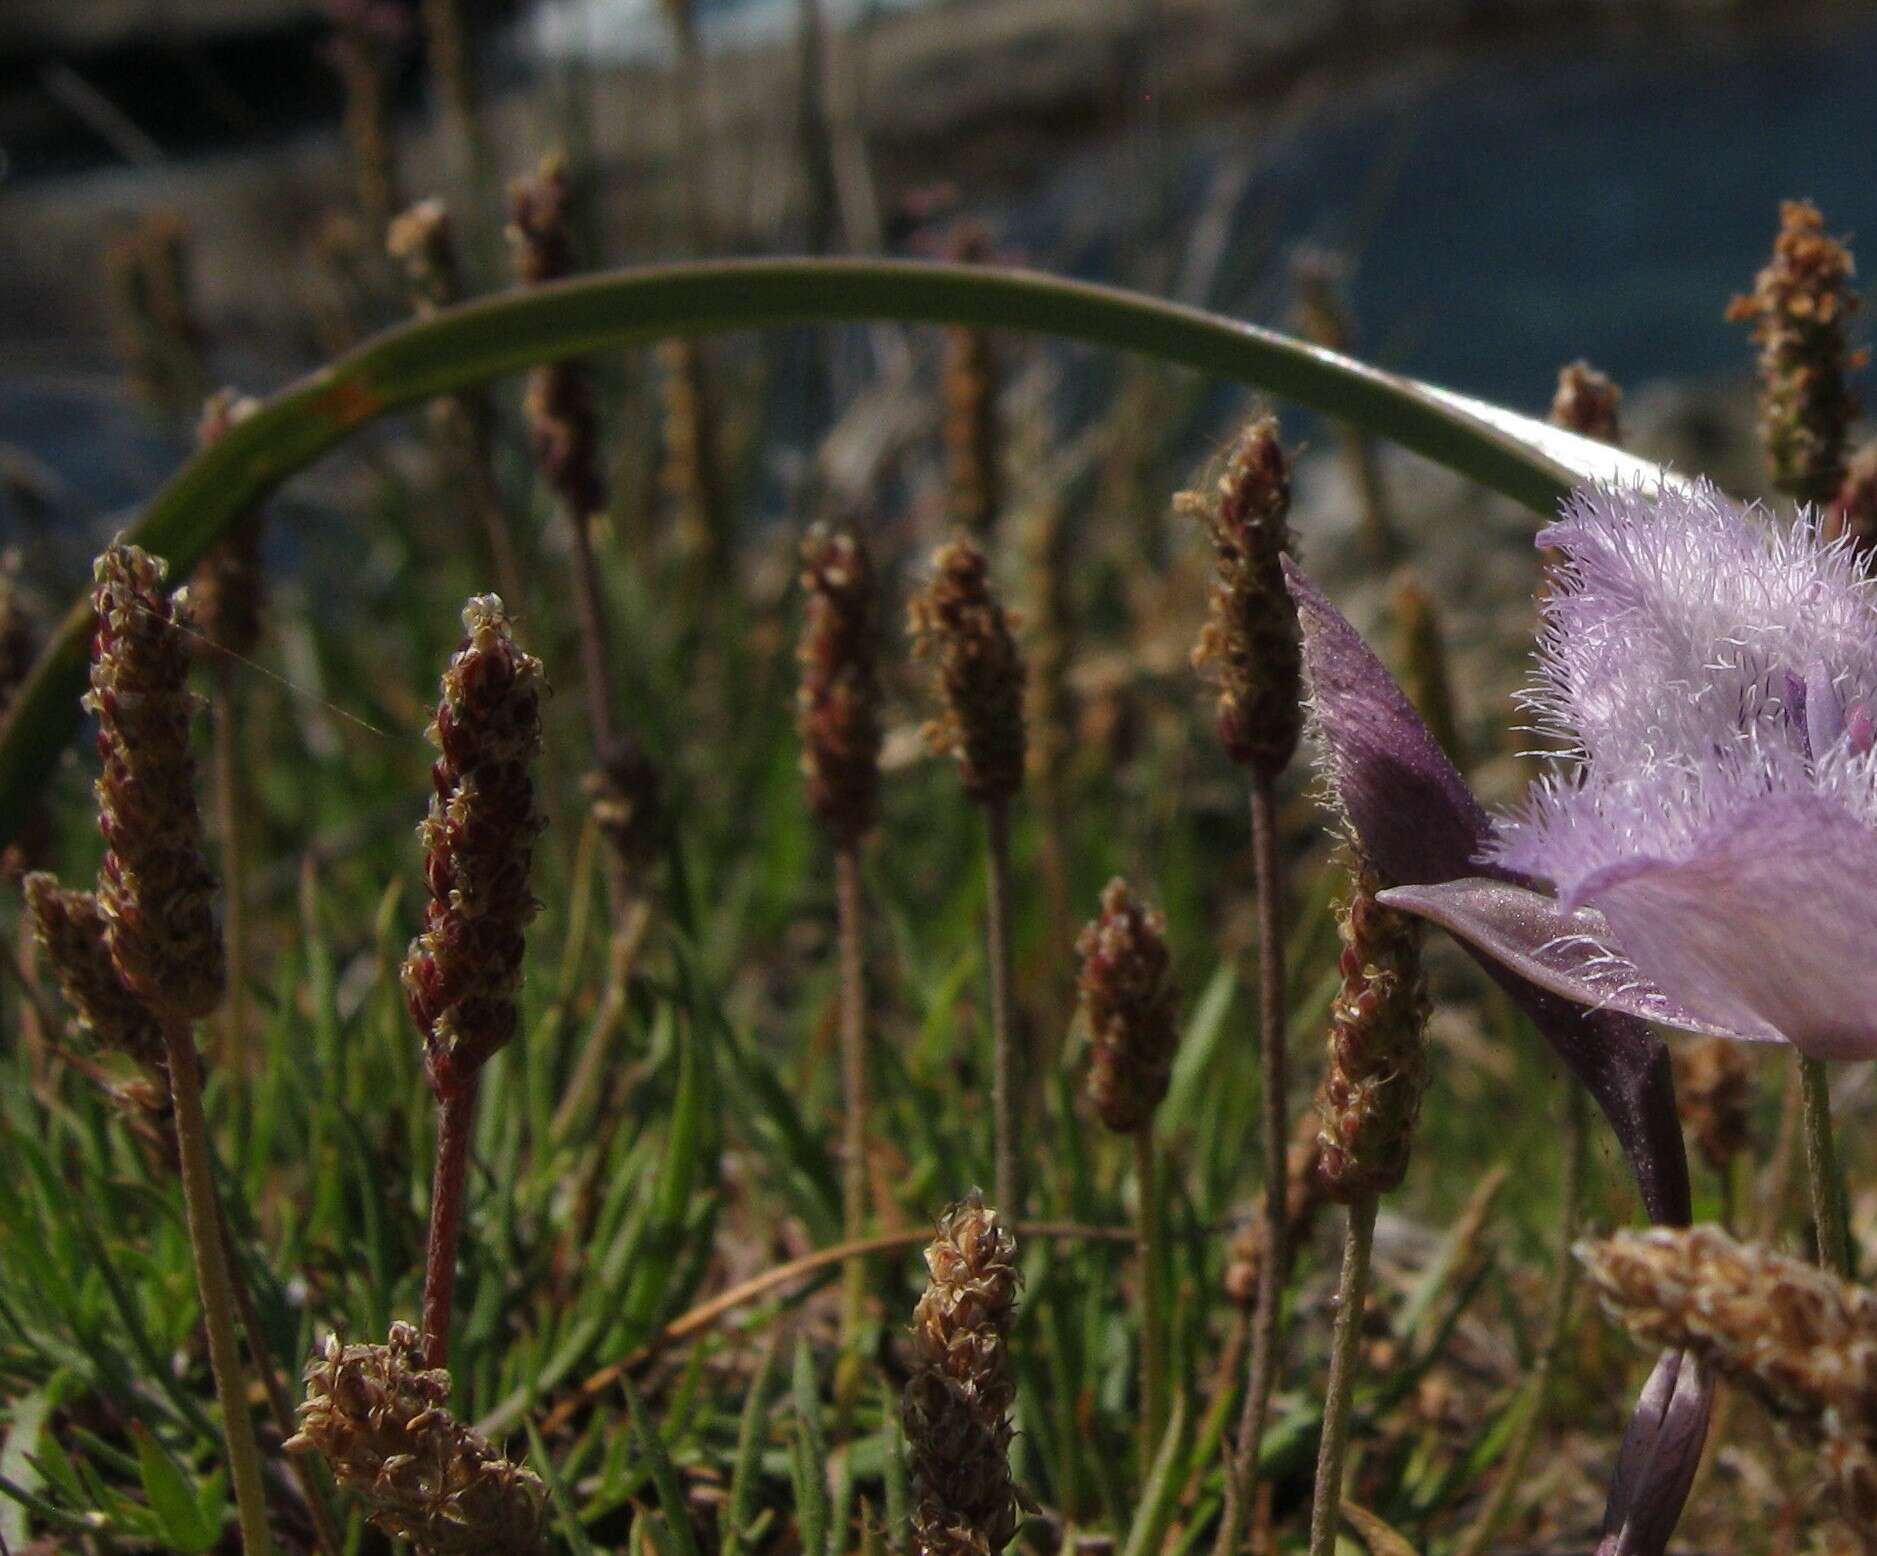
x=838, y=704
x=959, y=622
x=1132, y=1006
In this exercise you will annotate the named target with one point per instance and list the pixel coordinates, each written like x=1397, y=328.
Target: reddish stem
x=456, y=1116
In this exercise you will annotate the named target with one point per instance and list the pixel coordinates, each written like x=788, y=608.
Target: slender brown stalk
x=854, y=1176
x=1351, y=1291
x=1153, y=1299
x=456, y=1120
x=212, y=1277
x=1829, y=1212
x=1003, y=1045
x=226, y=756
x=1273, y=1063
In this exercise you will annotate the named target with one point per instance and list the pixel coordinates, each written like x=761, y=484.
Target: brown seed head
x=959, y=623
x=1132, y=1006
x=627, y=796
x=838, y=703
x=1800, y=1339
x=562, y=421
x=1588, y=402
x=1714, y=1085
x=422, y=243
x=1250, y=641
x=229, y=585
x=380, y=1419
x=1797, y=310
x=1377, y=1053
x=462, y=972
x=155, y=887
x=70, y=929
x=956, y=1405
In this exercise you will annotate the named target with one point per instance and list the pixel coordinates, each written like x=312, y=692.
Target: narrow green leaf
x=809, y=1457
x=16, y=1466
x=184, y=1524
x=452, y=350
x=664, y=1477
x=746, y=1471
x=1162, y=1490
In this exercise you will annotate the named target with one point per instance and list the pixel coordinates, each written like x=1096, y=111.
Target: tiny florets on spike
x=1587, y=401
x=1377, y=1052
x=1799, y=1338
x=1250, y=640
x=957, y=1403
x=70, y=929
x=1133, y=1008
x=228, y=587
x=155, y=887
x=1797, y=310
x=381, y=1421
x=462, y=972
x=421, y=241
x=838, y=703
x=960, y=623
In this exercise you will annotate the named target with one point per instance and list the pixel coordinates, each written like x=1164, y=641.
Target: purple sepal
x=1660, y=1452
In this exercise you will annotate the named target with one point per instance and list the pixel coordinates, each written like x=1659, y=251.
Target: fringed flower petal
x=1764, y=930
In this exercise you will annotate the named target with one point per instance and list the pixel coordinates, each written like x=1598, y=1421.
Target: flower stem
x=1563, y=1287
x=1242, y=1471
x=1153, y=1300
x=1829, y=1212
x=218, y=1303
x=1003, y=1054
x=456, y=1115
x=854, y=1178
x=1327, y=1506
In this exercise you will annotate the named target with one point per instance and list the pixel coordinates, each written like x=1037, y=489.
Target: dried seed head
x=969, y=383
x=462, y=972
x=421, y=242
x=1132, y=1006
x=229, y=585
x=957, y=1403
x=1800, y=1339
x=155, y=888
x=1714, y=1085
x=1797, y=310
x=838, y=703
x=959, y=622
x=1853, y=511
x=1303, y=1198
x=562, y=421
x=1377, y=1052
x=70, y=929
x=380, y=1419
x=1250, y=639
x=1587, y=401
x=627, y=796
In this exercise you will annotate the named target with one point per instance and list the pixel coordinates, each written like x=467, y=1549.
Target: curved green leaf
x=1526, y=459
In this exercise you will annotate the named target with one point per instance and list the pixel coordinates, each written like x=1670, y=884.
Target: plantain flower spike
x=155, y=888
x=1714, y=1083
x=838, y=703
x=1797, y=310
x=957, y=1403
x=1133, y=1008
x=1377, y=1049
x=1800, y=1339
x=461, y=974
x=229, y=586
x=1587, y=402
x=70, y=929
x=1250, y=642
x=380, y=1419
x=960, y=623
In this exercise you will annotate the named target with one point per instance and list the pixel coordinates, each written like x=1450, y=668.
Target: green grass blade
x=1527, y=459
x=664, y=1476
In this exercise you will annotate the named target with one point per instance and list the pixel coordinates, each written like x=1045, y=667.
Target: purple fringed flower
x=1710, y=836
x=1416, y=820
